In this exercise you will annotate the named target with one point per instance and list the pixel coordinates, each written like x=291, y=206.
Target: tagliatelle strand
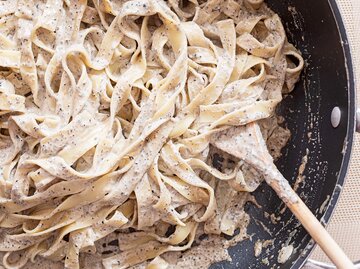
x=107, y=109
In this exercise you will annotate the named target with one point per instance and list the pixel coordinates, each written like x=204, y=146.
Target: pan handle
x=311, y=264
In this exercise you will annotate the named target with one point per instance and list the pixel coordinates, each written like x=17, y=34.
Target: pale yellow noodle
x=107, y=109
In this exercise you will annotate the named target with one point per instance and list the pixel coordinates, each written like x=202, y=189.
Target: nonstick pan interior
x=316, y=29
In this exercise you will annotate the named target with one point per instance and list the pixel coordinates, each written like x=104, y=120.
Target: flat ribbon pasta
x=108, y=112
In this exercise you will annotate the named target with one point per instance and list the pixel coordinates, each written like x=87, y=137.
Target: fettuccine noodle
x=106, y=112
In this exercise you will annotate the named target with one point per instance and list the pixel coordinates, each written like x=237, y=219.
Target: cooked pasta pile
x=107, y=109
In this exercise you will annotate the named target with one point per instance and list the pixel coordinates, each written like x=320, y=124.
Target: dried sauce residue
x=301, y=178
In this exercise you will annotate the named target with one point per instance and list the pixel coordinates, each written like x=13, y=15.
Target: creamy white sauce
x=106, y=137
x=285, y=253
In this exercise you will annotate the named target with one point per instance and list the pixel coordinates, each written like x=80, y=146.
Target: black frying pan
x=316, y=29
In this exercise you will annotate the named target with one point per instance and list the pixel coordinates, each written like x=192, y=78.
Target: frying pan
x=317, y=30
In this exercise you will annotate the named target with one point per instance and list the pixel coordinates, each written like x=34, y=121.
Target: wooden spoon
x=247, y=143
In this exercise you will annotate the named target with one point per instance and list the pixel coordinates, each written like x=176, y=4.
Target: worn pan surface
x=316, y=28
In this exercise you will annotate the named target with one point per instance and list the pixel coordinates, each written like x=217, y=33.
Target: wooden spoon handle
x=317, y=231
x=255, y=153
x=319, y=234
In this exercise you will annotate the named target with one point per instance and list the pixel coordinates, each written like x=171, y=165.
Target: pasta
x=107, y=109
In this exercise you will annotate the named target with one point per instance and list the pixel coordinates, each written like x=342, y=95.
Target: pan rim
x=348, y=142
